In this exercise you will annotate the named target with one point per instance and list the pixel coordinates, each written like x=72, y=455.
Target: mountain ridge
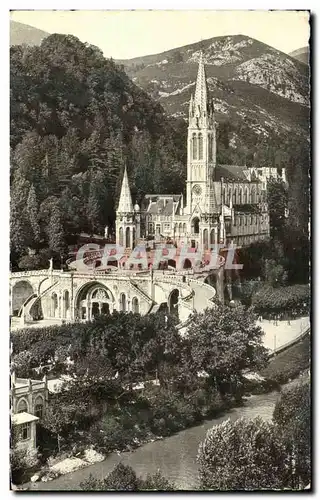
x=21, y=33
x=301, y=54
x=259, y=91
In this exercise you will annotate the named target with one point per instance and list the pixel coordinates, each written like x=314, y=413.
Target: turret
x=125, y=201
x=128, y=217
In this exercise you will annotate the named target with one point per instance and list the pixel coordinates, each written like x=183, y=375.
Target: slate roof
x=162, y=204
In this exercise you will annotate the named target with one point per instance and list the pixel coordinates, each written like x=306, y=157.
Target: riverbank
x=175, y=456
x=261, y=388
x=123, y=440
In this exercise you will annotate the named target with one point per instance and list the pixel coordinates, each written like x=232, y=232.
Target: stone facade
x=57, y=296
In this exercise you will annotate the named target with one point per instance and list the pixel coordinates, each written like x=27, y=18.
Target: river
x=175, y=456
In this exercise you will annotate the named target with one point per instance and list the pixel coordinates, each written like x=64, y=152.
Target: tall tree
x=32, y=209
x=223, y=342
x=56, y=236
x=277, y=198
x=293, y=415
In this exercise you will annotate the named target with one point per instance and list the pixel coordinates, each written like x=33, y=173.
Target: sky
x=126, y=34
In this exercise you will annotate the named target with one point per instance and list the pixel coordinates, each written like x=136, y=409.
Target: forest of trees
x=76, y=120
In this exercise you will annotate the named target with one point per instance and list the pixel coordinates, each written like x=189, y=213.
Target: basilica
x=224, y=204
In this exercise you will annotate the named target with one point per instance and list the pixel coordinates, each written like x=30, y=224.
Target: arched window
x=184, y=229
x=22, y=406
x=213, y=237
x=200, y=139
x=66, y=300
x=194, y=146
x=240, y=196
x=246, y=196
x=123, y=302
x=38, y=407
x=135, y=305
x=195, y=225
x=251, y=220
x=128, y=237
x=229, y=195
x=180, y=228
x=121, y=236
x=224, y=199
x=54, y=302
x=210, y=148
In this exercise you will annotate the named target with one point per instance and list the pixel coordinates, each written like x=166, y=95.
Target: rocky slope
x=24, y=34
x=252, y=84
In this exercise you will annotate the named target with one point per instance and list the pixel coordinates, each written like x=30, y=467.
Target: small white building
x=29, y=400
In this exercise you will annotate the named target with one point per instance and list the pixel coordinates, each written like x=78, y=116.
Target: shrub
x=276, y=300
x=22, y=461
x=92, y=484
x=243, y=455
x=124, y=478
x=156, y=482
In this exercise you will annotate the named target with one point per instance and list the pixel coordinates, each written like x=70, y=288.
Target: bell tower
x=126, y=216
x=201, y=145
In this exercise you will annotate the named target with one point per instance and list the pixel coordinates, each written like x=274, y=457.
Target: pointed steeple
x=125, y=201
x=201, y=94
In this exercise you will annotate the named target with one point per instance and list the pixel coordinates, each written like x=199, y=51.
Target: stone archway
x=93, y=300
x=21, y=291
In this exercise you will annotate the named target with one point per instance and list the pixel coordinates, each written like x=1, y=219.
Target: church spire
x=125, y=201
x=201, y=94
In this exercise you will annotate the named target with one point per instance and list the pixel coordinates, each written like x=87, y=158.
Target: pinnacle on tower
x=201, y=94
x=125, y=201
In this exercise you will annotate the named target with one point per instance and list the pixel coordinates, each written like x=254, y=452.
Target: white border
x=4, y=185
